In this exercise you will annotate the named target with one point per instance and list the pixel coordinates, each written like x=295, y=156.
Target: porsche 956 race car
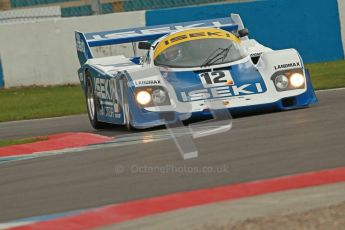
x=187, y=65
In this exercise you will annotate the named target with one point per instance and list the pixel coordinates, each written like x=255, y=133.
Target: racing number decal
x=106, y=90
x=216, y=78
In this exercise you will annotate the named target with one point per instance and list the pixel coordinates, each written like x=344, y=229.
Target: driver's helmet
x=172, y=53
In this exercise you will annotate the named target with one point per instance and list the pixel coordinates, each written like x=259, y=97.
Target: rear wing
x=113, y=37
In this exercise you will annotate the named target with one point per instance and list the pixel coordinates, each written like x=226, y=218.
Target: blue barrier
x=26, y=3
x=84, y=10
x=159, y=4
x=312, y=27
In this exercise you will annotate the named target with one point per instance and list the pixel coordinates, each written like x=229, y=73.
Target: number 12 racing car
x=187, y=65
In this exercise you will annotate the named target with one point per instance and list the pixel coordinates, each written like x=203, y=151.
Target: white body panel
x=269, y=59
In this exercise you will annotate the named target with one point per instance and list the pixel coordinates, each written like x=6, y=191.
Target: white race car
x=187, y=66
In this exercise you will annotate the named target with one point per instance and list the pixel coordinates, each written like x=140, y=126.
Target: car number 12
x=216, y=78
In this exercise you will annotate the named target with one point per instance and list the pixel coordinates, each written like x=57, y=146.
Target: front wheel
x=91, y=105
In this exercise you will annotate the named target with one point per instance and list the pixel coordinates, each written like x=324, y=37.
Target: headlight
x=297, y=80
x=158, y=96
x=143, y=97
x=282, y=82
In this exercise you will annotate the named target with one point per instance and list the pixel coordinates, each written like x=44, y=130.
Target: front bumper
x=143, y=118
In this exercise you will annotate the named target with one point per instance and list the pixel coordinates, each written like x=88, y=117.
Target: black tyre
x=91, y=101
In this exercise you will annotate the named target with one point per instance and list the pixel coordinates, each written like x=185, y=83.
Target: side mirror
x=144, y=45
x=242, y=33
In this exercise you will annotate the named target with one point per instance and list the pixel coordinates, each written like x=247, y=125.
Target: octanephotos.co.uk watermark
x=171, y=169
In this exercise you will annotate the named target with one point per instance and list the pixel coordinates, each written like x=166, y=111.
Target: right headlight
x=289, y=80
x=158, y=96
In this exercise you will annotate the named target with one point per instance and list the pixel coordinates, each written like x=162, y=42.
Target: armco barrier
x=312, y=27
x=44, y=53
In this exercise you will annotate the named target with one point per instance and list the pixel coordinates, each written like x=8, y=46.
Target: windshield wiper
x=219, y=56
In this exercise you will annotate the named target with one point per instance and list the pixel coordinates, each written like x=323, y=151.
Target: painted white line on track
x=15, y=224
x=45, y=118
x=330, y=90
x=159, y=135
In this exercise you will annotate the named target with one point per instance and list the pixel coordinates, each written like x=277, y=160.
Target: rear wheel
x=91, y=104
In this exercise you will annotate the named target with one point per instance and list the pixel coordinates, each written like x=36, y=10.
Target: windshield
x=202, y=52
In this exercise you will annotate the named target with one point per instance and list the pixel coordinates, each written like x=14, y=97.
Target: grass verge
x=4, y=143
x=327, y=75
x=40, y=102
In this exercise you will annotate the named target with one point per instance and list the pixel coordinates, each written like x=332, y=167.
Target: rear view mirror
x=242, y=33
x=144, y=45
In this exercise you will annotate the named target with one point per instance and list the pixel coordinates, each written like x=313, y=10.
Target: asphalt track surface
x=257, y=147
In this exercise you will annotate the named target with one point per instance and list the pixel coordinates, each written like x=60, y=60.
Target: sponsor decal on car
x=158, y=30
x=286, y=66
x=195, y=34
x=255, y=54
x=221, y=92
x=147, y=82
x=106, y=91
x=80, y=44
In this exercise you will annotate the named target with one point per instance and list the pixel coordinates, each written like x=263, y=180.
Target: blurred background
x=37, y=44
x=38, y=79
x=72, y=8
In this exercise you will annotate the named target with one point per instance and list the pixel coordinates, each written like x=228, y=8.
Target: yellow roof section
x=193, y=34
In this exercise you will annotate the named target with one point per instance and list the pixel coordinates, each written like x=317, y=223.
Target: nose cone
x=236, y=75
